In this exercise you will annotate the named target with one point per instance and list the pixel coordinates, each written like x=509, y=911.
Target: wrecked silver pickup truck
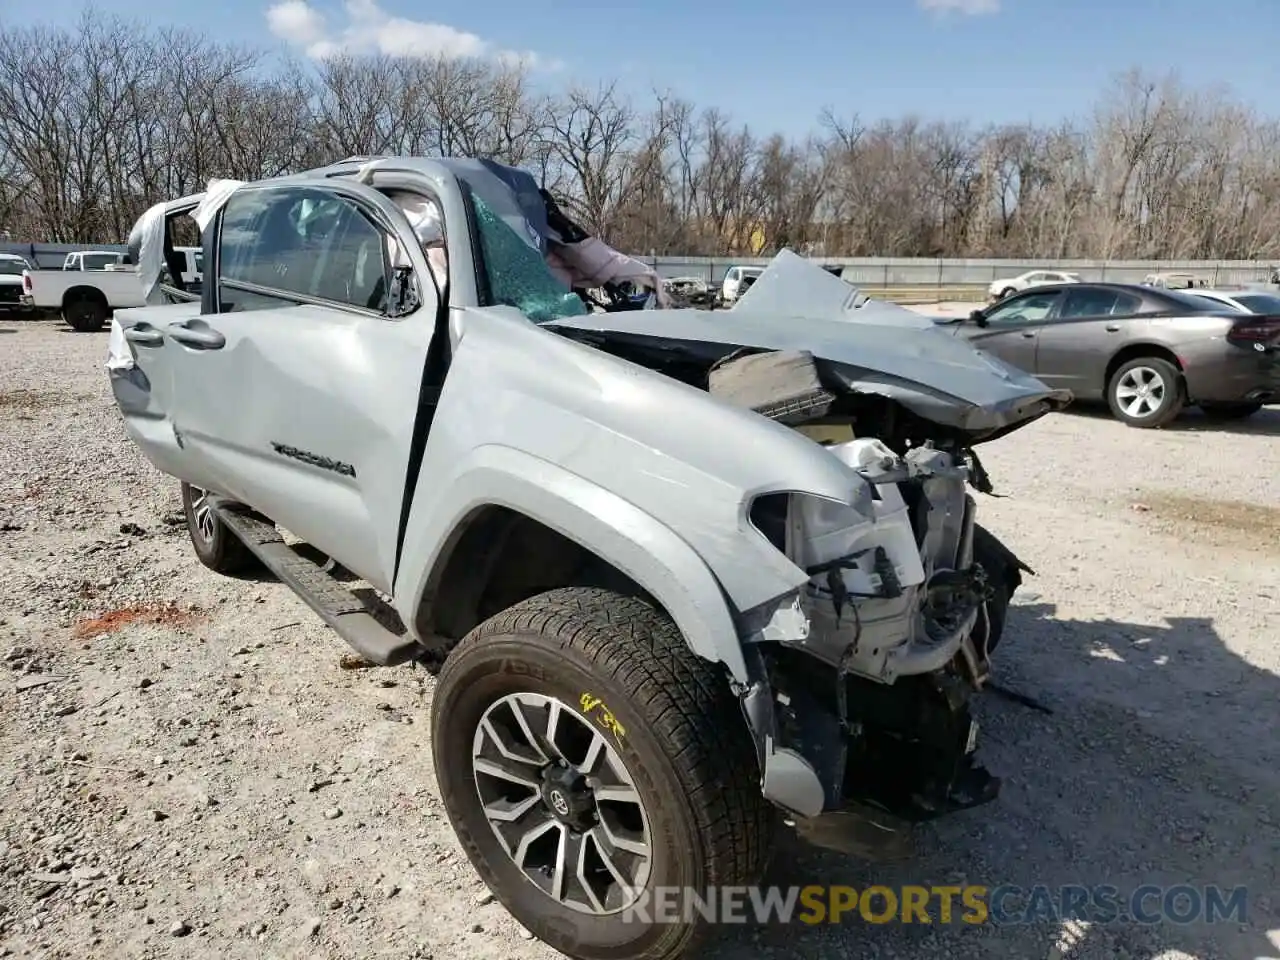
x=682, y=573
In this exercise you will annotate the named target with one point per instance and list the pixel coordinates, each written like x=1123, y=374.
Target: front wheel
x=1229, y=411
x=216, y=546
x=588, y=761
x=1007, y=292
x=1146, y=392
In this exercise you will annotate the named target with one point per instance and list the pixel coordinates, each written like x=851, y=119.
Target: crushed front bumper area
x=860, y=683
x=904, y=751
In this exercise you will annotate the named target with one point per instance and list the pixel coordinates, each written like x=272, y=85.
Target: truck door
x=296, y=391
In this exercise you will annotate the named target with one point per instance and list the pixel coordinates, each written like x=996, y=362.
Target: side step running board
x=336, y=605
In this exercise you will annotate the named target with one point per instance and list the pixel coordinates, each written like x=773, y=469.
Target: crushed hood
x=861, y=345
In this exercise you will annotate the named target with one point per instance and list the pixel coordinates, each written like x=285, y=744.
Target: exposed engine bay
x=873, y=664
x=895, y=613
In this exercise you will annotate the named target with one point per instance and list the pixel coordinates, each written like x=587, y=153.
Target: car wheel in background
x=1229, y=411
x=216, y=546
x=1007, y=292
x=1146, y=392
x=85, y=315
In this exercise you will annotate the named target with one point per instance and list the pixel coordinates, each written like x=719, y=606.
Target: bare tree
x=592, y=134
x=108, y=116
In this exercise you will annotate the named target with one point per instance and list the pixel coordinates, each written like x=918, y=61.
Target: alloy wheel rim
x=561, y=803
x=1140, y=392
x=202, y=508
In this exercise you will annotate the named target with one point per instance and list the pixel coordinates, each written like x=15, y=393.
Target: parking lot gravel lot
x=189, y=768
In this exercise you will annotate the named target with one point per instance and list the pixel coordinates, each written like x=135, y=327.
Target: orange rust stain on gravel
x=1235, y=523
x=28, y=401
x=169, y=615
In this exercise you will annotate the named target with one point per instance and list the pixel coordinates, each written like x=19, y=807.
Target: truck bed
x=119, y=288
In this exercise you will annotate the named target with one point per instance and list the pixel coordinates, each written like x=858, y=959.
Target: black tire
x=1007, y=292
x=216, y=546
x=1229, y=411
x=1004, y=572
x=1171, y=391
x=686, y=746
x=85, y=314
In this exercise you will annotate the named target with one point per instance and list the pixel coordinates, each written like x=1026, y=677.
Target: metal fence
x=941, y=274
x=913, y=272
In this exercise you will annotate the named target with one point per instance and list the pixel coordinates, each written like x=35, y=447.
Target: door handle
x=144, y=336
x=1113, y=328
x=1029, y=334
x=202, y=337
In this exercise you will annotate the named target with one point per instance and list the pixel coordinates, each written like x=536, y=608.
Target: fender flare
x=635, y=542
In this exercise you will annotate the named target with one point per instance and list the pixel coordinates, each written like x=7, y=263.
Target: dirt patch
x=169, y=615
x=22, y=400
x=1248, y=524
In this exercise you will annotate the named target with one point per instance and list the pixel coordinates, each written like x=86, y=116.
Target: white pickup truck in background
x=89, y=288
x=93, y=260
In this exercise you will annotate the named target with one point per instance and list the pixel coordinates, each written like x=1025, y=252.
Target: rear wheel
x=1229, y=411
x=216, y=546
x=1146, y=392
x=1007, y=292
x=85, y=314
x=587, y=758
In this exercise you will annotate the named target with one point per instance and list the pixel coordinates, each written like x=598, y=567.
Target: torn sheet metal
x=791, y=286
x=877, y=348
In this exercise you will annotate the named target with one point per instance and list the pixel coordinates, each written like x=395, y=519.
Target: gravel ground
x=198, y=776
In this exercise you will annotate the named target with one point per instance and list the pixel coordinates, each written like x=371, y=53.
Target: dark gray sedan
x=1147, y=352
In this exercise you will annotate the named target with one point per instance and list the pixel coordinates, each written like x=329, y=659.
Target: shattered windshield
x=516, y=272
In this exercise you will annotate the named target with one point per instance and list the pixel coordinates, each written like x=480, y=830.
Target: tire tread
x=684, y=700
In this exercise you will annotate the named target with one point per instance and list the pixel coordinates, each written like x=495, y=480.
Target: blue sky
x=980, y=60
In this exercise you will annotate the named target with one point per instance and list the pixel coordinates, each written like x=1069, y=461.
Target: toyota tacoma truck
x=684, y=577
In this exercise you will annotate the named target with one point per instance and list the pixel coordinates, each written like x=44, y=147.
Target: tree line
x=104, y=119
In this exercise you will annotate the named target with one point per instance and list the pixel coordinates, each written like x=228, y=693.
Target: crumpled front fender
x=634, y=541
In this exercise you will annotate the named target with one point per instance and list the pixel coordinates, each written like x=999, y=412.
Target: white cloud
x=370, y=29
x=966, y=8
